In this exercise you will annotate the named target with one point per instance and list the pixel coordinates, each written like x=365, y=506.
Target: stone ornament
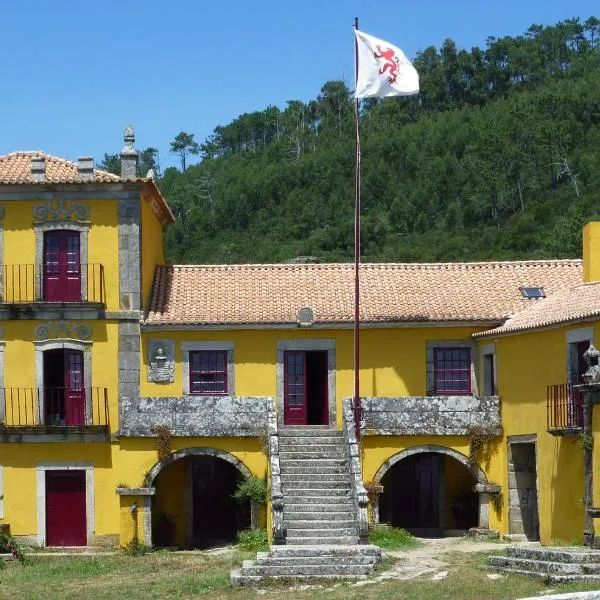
x=61, y=210
x=161, y=368
x=63, y=329
x=591, y=356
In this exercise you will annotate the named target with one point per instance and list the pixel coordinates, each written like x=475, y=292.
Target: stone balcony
x=186, y=416
x=430, y=415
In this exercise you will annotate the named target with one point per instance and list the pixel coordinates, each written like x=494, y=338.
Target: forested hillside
x=497, y=158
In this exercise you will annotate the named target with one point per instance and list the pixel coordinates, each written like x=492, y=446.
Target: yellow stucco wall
x=527, y=363
x=393, y=361
x=103, y=245
x=152, y=248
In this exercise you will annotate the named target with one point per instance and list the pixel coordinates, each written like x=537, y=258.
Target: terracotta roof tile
x=273, y=294
x=16, y=168
x=576, y=304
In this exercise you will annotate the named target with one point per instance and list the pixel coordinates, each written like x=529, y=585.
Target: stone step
x=296, y=453
x=305, y=531
x=345, y=506
x=549, y=577
x=331, y=478
x=323, y=550
x=310, y=431
x=318, y=495
x=315, y=470
x=340, y=570
x=310, y=464
x=352, y=559
x=237, y=578
x=345, y=515
x=545, y=566
x=297, y=487
x=566, y=555
x=299, y=540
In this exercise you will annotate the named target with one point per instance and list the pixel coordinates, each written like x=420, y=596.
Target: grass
x=392, y=538
x=185, y=576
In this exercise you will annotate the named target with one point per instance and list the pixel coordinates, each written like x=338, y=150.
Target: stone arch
x=482, y=487
x=475, y=470
x=222, y=454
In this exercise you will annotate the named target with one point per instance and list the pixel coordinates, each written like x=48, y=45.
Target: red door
x=74, y=389
x=294, y=397
x=62, y=268
x=65, y=508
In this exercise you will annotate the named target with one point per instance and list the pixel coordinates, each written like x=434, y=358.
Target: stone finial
x=591, y=357
x=38, y=168
x=85, y=168
x=150, y=174
x=129, y=155
x=306, y=316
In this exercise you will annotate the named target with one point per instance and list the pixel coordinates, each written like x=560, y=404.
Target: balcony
x=430, y=415
x=229, y=416
x=564, y=409
x=54, y=410
x=28, y=283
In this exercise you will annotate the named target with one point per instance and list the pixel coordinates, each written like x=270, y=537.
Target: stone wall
x=429, y=415
x=236, y=416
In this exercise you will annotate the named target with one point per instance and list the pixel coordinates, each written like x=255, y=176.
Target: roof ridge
x=558, y=261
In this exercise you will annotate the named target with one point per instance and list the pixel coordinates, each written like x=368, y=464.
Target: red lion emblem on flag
x=390, y=64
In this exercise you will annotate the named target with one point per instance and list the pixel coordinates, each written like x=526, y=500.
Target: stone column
x=484, y=490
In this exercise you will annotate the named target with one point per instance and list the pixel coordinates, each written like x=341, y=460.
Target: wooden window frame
x=192, y=355
x=468, y=390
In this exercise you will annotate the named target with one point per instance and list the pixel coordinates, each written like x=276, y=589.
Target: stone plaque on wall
x=161, y=361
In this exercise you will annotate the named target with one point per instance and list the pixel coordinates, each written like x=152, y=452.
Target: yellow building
x=137, y=395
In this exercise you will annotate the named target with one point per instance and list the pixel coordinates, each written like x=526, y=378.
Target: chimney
x=129, y=155
x=38, y=169
x=591, y=252
x=85, y=168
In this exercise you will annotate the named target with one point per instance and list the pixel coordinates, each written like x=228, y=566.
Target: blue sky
x=75, y=72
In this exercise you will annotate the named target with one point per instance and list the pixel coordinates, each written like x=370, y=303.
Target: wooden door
x=74, y=393
x=62, y=268
x=65, y=508
x=294, y=397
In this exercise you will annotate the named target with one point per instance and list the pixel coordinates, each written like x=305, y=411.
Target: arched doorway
x=430, y=491
x=193, y=505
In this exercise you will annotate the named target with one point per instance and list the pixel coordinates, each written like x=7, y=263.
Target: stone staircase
x=319, y=513
x=551, y=564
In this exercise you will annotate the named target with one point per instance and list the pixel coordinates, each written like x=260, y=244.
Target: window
x=452, y=371
x=533, y=292
x=208, y=372
x=489, y=375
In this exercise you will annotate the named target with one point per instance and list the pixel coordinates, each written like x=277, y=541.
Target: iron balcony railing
x=564, y=408
x=34, y=283
x=54, y=407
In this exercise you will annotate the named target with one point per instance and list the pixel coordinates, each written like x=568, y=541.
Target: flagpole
x=357, y=403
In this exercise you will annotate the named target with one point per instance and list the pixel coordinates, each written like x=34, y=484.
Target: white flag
x=383, y=69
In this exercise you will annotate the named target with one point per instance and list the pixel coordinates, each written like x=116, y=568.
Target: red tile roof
x=579, y=303
x=273, y=294
x=16, y=168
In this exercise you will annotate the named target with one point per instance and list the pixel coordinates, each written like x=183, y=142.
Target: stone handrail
x=429, y=415
x=361, y=500
x=231, y=416
x=276, y=493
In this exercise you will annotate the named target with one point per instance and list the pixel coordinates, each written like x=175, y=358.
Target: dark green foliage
x=10, y=545
x=251, y=489
x=253, y=540
x=392, y=538
x=498, y=158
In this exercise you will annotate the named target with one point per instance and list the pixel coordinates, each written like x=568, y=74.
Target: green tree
x=183, y=146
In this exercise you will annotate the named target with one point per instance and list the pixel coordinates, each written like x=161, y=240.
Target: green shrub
x=392, y=537
x=135, y=548
x=9, y=544
x=253, y=539
x=251, y=488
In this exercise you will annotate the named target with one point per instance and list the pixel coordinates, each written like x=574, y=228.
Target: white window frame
x=187, y=347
